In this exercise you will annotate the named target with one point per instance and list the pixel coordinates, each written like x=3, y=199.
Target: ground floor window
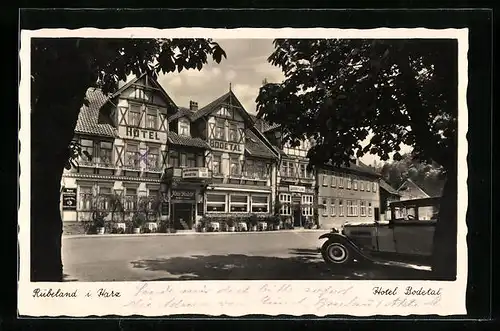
x=352, y=208
x=238, y=203
x=285, y=200
x=216, y=202
x=332, y=207
x=130, y=199
x=104, y=198
x=362, y=207
x=260, y=204
x=370, y=211
x=325, y=207
x=85, y=198
x=307, y=203
x=341, y=207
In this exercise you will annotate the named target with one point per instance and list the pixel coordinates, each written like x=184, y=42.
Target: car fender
x=334, y=237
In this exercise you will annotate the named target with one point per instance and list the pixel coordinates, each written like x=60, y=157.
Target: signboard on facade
x=182, y=195
x=195, y=172
x=298, y=189
x=69, y=198
x=165, y=207
x=226, y=146
x=142, y=134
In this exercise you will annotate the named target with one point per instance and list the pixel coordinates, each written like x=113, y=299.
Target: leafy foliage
x=339, y=92
x=428, y=176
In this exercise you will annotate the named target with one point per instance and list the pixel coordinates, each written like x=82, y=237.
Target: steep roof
x=88, y=119
x=212, y=106
x=181, y=112
x=385, y=186
x=408, y=180
x=175, y=139
x=255, y=147
x=262, y=125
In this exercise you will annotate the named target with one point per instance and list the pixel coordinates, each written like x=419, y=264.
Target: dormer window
x=225, y=112
x=139, y=93
x=184, y=128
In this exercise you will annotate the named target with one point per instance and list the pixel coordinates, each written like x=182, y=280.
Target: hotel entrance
x=183, y=208
x=183, y=216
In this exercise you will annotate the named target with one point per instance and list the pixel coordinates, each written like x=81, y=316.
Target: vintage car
x=406, y=238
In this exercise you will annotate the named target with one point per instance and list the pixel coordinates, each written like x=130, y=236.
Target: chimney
x=193, y=105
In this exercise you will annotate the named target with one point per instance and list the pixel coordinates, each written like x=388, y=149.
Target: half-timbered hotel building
x=126, y=135
x=208, y=161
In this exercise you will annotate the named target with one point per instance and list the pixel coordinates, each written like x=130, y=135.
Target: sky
x=244, y=68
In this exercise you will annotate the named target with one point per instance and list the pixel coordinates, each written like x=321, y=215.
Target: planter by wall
x=100, y=230
x=136, y=230
x=231, y=228
x=254, y=227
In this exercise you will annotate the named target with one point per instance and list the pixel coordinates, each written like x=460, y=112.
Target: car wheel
x=335, y=253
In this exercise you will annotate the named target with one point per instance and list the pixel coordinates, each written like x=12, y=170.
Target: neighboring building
x=337, y=195
x=347, y=194
x=295, y=184
x=409, y=190
x=387, y=195
x=126, y=136
x=238, y=163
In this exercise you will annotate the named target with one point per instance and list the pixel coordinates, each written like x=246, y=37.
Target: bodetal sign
x=226, y=146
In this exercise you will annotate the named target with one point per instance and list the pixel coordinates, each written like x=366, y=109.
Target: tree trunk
x=444, y=262
x=52, y=128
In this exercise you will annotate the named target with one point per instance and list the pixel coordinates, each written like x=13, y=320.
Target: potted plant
x=99, y=222
x=275, y=220
x=137, y=222
x=254, y=220
x=230, y=225
x=201, y=226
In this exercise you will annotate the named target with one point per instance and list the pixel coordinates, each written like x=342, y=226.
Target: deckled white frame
x=353, y=298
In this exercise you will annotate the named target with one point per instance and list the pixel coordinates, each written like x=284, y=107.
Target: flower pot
x=203, y=229
x=277, y=227
x=120, y=225
x=152, y=226
x=231, y=228
x=137, y=230
x=100, y=230
x=254, y=228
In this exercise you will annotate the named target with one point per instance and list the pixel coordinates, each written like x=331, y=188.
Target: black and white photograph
x=249, y=157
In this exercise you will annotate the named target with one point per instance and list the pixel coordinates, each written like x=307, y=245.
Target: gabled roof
x=408, y=180
x=255, y=147
x=385, y=186
x=360, y=168
x=175, y=139
x=153, y=82
x=181, y=112
x=212, y=106
x=262, y=125
x=88, y=119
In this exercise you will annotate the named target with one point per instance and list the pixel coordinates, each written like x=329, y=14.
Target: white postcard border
x=239, y=298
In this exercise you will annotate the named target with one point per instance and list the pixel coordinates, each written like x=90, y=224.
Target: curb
x=187, y=233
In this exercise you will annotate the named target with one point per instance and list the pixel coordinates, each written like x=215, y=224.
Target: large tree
x=341, y=92
x=62, y=69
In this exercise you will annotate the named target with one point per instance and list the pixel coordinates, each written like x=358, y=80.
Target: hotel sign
x=195, y=172
x=299, y=189
x=226, y=146
x=182, y=195
x=142, y=134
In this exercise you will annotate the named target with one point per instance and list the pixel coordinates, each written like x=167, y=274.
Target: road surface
x=276, y=255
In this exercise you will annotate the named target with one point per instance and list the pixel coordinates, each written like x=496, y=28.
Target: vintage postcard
x=243, y=171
